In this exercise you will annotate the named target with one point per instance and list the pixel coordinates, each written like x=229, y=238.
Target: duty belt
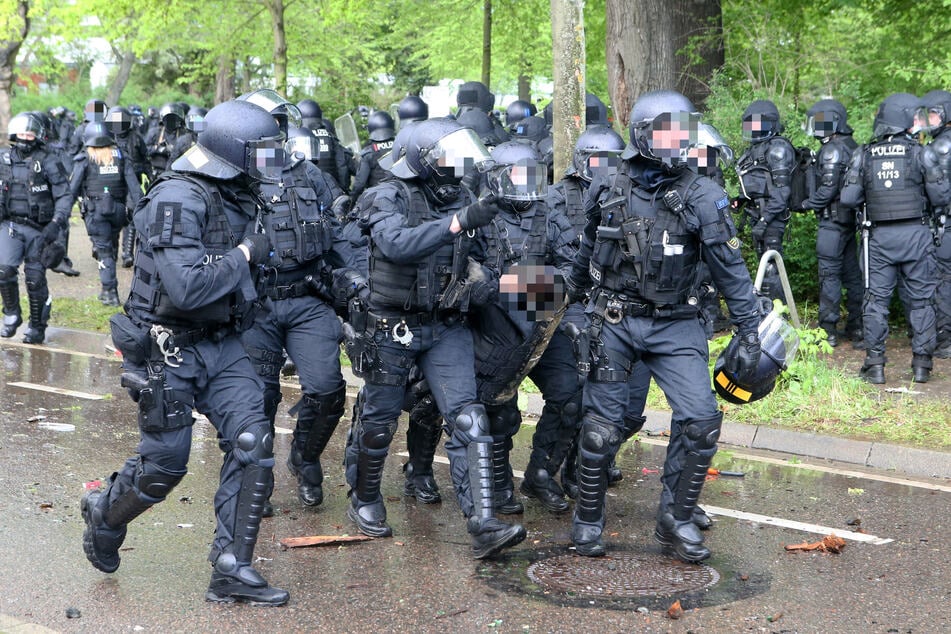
x=387, y=322
x=297, y=289
x=615, y=307
x=170, y=342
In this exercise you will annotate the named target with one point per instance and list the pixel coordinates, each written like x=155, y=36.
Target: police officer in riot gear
x=648, y=228
x=900, y=183
x=411, y=108
x=382, y=130
x=193, y=290
x=474, y=95
x=94, y=111
x=298, y=220
x=163, y=139
x=104, y=178
x=835, y=239
x=937, y=111
x=120, y=123
x=35, y=204
x=764, y=170
x=333, y=158
x=527, y=234
x=422, y=234
x=518, y=110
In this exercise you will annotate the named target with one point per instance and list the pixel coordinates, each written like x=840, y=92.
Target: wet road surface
x=422, y=579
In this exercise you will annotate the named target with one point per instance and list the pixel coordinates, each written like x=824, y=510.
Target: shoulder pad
x=296, y=157
x=781, y=154
x=830, y=155
x=929, y=157
x=176, y=210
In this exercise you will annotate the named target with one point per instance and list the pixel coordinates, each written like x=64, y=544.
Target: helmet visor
x=670, y=136
x=307, y=145
x=276, y=105
x=778, y=339
x=758, y=126
x=602, y=163
x=929, y=118
x=821, y=124
x=525, y=180
x=710, y=148
x=25, y=127
x=266, y=158
x=458, y=153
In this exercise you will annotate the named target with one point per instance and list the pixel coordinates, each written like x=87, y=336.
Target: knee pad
x=254, y=445
x=700, y=436
x=8, y=274
x=472, y=422
x=598, y=436
x=570, y=411
x=505, y=421
x=377, y=436
x=156, y=482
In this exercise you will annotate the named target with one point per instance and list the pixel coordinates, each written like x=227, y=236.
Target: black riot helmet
x=595, y=112
x=172, y=115
x=280, y=108
x=519, y=174
x=412, y=108
x=118, y=121
x=596, y=151
x=398, y=150
x=310, y=109
x=98, y=134
x=49, y=130
x=778, y=342
x=664, y=125
x=25, y=130
x=530, y=130
x=480, y=123
x=381, y=126
x=95, y=110
x=239, y=138
x=302, y=141
x=826, y=118
x=936, y=110
x=152, y=112
x=440, y=152
x=518, y=110
x=475, y=94
x=896, y=115
x=709, y=150
x=761, y=121
x=195, y=119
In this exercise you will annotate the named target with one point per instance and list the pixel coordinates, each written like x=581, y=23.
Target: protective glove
x=479, y=213
x=576, y=290
x=51, y=231
x=759, y=230
x=258, y=246
x=748, y=352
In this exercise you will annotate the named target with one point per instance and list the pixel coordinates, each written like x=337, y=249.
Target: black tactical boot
x=942, y=351
x=676, y=528
x=101, y=543
x=538, y=484
x=12, y=318
x=422, y=438
x=701, y=520
x=597, y=445
x=832, y=337
x=317, y=418
x=683, y=537
x=873, y=373
x=40, y=307
x=366, y=508
x=921, y=368
x=489, y=535
x=109, y=297
x=243, y=585
x=66, y=268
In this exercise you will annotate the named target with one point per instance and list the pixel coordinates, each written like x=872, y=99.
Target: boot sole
x=89, y=546
x=671, y=547
x=509, y=538
x=214, y=597
x=384, y=531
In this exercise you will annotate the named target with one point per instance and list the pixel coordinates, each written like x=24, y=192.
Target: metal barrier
x=774, y=256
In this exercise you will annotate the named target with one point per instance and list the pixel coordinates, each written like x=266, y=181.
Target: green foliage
x=80, y=314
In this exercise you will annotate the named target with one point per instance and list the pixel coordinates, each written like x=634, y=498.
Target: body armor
x=891, y=173
x=765, y=165
x=373, y=152
x=29, y=195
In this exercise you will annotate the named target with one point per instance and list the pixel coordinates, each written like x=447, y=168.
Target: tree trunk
x=568, y=52
x=525, y=88
x=486, y=41
x=645, y=39
x=276, y=7
x=224, y=79
x=17, y=28
x=126, y=63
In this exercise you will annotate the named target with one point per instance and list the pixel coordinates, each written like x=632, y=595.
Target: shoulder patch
x=723, y=203
x=733, y=243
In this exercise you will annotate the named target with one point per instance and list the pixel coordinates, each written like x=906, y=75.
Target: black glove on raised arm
x=479, y=213
x=258, y=246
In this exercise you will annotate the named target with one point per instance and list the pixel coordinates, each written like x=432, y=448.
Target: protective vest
x=417, y=287
x=148, y=298
x=892, y=180
x=643, y=248
x=528, y=240
x=754, y=171
x=842, y=149
x=295, y=222
x=373, y=153
x=27, y=189
x=326, y=151
x=104, y=186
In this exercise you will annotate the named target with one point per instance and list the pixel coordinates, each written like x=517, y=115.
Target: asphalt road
x=53, y=442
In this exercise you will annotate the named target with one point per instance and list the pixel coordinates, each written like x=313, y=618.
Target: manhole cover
x=621, y=575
